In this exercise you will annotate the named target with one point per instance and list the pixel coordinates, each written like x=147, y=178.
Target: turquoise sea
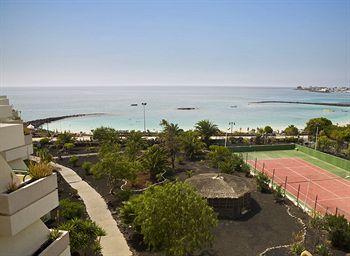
x=219, y=104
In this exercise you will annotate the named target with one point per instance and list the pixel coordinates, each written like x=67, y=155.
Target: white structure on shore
x=22, y=232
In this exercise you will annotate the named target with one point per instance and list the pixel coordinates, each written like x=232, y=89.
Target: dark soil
x=65, y=191
x=267, y=224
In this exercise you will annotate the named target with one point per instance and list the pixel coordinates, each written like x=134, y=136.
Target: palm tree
x=134, y=144
x=170, y=139
x=206, y=129
x=155, y=160
x=191, y=144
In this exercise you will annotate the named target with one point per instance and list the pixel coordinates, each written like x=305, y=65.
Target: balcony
x=27, y=204
x=58, y=247
x=11, y=136
x=22, y=152
x=5, y=111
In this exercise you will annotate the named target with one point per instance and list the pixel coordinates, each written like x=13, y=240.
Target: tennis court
x=314, y=183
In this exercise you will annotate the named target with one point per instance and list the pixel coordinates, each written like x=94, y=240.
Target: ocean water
x=213, y=103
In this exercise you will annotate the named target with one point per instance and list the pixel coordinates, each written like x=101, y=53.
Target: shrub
x=278, y=194
x=263, y=182
x=83, y=235
x=233, y=163
x=268, y=129
x=70, y=209
x=218, y=154
x=64, y=138
x=44, y=141
x=54, y=234
x=180, y=160
x=338, y=231
x=13, y=185
x=322, y=250
x=74, y=160
x=297, y=246
x=39, y=170
x=189, y=173
x=87, y=167
x=124, y=195
x=68, y=145
x=44, y=155
x=172, y=218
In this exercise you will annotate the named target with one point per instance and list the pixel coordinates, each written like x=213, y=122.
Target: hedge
x=252, y=148
x=334, y=160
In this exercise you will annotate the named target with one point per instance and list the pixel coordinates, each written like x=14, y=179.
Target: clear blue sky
x=198, y=42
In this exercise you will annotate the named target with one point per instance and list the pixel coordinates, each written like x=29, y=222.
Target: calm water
x=212, y=103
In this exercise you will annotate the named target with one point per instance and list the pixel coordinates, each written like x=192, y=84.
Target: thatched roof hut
x=229, y=195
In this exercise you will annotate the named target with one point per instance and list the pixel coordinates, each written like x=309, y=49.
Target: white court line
x=315, y=183
x=321, y=171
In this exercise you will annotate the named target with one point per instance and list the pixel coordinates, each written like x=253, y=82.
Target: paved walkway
x=113, y=244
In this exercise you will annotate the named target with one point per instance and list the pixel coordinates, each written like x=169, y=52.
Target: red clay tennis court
x=319, y=189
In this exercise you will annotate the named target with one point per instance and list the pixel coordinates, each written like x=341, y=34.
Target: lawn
x=260, y=155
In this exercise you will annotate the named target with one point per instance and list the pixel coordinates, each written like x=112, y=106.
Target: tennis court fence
x=299, y=192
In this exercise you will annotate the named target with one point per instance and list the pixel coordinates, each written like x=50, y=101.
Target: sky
x=185, y=43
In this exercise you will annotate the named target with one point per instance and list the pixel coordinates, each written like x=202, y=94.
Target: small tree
x=218, y=154
x=65, y=137
x=134, y=144
x=232, y=163
x=322, y=123
x=83, y=235
x=172, y=218
x=170, y=139
x=155, y=160
x=115, y=166
x=206, y=130
x=191, y=144
x=105, y=135
x=291, y=130
x=268, y=129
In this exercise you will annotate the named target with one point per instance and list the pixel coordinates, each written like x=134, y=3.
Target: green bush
x=297, y=248
x=74, y=160
x=83, y=235
x=124, y=195
x=172, y=219
x=322, y=250
x=54, y=234
x=44, y=155
x=218, y=154
x=44, y=141
x=278, y=194
x=338, y=231
x=70, y=209
x=68, y=145
x=39, y=170
x=87, y=167
x=263, y=182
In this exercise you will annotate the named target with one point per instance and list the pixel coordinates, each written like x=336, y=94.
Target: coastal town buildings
x=23, y=201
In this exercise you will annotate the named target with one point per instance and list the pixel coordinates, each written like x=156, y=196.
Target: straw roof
x=219, y=185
